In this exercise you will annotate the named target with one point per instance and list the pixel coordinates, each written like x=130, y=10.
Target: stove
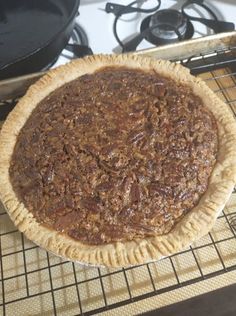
x=119, y=26
x=124, y=26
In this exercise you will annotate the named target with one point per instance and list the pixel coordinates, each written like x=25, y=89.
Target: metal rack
x=34, y=282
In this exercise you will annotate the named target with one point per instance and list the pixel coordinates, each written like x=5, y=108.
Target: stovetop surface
x=99, y=24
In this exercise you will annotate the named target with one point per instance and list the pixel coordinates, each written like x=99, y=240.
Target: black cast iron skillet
x=33, y=33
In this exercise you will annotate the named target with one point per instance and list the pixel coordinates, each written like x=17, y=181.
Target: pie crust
x=192, y=226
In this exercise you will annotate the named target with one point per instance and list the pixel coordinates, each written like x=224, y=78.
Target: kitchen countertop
x=218, y=303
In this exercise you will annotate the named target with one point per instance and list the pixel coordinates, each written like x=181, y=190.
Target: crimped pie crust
x=193, y=225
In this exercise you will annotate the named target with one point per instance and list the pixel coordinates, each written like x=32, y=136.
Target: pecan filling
x=115, y=155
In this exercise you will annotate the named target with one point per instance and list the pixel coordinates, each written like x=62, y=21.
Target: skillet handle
x=79, y=50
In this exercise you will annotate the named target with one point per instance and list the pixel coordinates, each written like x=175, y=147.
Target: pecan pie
x=117, y=160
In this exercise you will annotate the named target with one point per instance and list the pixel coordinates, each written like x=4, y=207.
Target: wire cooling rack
x=34, y=282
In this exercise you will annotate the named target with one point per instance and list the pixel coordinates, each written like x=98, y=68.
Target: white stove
x=98, y=24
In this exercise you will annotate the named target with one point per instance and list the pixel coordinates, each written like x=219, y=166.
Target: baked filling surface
x=115, y=155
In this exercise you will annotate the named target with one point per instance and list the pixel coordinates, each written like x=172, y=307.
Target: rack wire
x=34, y=282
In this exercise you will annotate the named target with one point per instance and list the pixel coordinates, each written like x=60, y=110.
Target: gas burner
x=79, y=35
x=167, y=26
x=77, y=47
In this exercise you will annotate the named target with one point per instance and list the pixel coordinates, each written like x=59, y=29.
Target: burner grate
x=36, y=282
x=165, y=26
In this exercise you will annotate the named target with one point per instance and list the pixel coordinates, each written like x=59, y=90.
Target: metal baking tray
x=15, y=87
